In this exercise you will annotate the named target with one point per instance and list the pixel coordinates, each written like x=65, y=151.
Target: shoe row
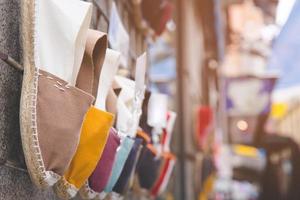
x=81, y=125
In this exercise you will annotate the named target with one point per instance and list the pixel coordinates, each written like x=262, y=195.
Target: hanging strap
x=95, y=50
x=109, y=69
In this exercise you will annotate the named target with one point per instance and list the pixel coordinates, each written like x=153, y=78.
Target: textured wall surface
x=9, y=79
x=14, y=183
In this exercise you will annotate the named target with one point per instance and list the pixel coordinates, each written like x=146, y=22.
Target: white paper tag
x=117, y=35
x=157, y=110
x=133, y=92
x=139, y=92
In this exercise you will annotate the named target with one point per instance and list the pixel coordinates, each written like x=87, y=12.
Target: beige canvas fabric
x=96, y=45
x=60, y=35
x=60, y=113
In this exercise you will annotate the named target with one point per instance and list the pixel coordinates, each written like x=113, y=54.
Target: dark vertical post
x=180, y=98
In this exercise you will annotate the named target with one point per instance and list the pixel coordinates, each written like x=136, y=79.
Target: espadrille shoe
x=52, y=109
x=169, y=159
x=122, y=185
x=149, y=166
x=98, y=121
x=98, y=180
x=128, y=119
x=165, y=174
x=98, y=187
x=156, y=162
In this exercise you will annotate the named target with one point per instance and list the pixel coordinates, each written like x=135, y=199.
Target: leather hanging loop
x=88, y=77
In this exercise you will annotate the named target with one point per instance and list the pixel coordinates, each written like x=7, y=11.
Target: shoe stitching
x=36, y=147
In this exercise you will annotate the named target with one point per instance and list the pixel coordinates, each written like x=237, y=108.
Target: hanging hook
x=16, y=166
x=11, y=62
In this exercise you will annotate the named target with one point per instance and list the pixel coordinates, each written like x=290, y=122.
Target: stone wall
x=14, y=180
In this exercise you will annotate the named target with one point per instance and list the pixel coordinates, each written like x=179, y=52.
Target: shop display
x=82, y=125
x=101, y=80
x=156, y=162
x=97, y=122
x=128, y=119
x=52, y=110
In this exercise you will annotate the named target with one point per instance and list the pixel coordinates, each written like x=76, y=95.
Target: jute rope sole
x=89, y=194
x=28, y=125
x=65, y=190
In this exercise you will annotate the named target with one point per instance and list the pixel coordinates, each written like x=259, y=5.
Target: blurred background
x=237, y=99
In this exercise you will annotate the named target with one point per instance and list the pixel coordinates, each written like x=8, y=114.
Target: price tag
x=157, y=110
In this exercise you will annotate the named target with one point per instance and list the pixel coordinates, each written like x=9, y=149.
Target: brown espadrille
x=51, y=111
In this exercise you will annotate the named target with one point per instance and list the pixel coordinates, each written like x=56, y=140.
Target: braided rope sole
x=88, y=193
x=28, y=121
x=64, y=189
